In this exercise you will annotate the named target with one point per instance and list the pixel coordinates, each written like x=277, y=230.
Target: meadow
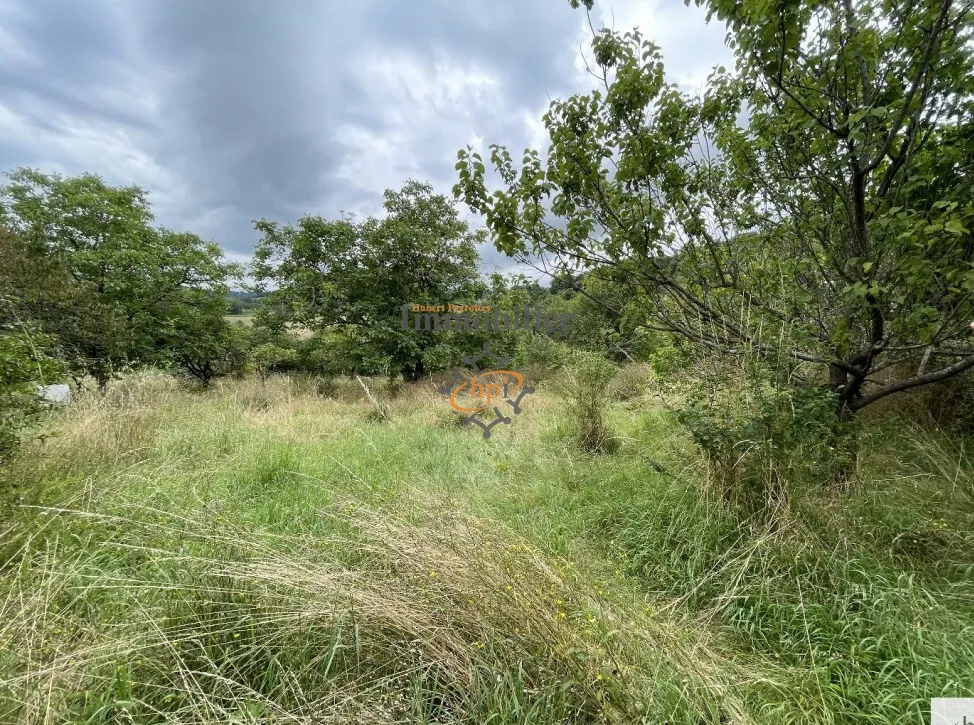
x=287, y=553
x=239, y=320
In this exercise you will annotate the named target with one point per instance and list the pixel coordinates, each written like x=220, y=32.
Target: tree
x=39, y=290
x=833, y=226
x=200, y=341
x=131, y=281
x=341, y=275
x=269, y=357
x=25, y=363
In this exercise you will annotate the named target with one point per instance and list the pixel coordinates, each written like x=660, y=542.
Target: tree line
x=93, y=289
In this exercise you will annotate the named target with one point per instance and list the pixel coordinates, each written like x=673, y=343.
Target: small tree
x=268, y=357
x=590, y=375
x=202, y=343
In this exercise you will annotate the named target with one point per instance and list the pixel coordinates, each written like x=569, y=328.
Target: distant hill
x=243, y=303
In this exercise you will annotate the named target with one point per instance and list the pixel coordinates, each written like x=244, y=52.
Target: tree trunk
x=414, y=372
x=845, y=442
x=839, y=382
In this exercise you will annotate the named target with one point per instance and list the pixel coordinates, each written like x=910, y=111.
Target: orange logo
x=483, y=390
x=480, y=390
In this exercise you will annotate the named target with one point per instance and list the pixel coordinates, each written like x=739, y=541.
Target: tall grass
x=262, y=553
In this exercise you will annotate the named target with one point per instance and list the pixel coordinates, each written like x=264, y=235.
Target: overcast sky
x=231, y=110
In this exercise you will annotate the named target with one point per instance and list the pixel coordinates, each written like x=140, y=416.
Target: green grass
x=261, y=554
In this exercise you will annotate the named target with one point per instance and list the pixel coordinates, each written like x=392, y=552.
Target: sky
x=226, y=111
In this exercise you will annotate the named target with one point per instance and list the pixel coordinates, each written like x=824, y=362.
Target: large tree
x=814, y=202
x=86, y=264
x=353, y=277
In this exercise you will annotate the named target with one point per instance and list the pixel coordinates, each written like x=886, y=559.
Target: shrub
x=316, y=355
x=217, y=353
x=761, y=430
x=24, y=364
x=268, y=358
x=590, y=376
x=630, y=382
x=541, y=352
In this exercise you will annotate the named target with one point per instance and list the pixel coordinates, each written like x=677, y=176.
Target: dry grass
x=386, y=618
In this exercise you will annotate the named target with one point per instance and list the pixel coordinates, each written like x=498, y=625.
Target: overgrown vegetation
x=257, y=552
x=740, y=493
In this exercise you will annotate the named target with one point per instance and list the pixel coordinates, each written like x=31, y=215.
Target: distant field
x=246, y=320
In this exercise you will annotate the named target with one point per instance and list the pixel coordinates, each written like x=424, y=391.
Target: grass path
x=260, y=554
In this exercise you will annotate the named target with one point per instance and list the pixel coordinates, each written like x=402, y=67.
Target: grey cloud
x=229, y=110
x=263, y=86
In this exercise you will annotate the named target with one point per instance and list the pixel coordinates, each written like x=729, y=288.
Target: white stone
x=60, y=394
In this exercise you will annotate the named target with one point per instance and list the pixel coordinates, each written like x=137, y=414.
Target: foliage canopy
x=814, y=203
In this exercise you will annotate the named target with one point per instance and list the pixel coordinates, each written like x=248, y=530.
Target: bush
x=268, y=358
x=24, y=364
x=220, y=353
x=316, y=356
x=590, y=376
x=760, y=431
x=541, y=352
x=630, y=382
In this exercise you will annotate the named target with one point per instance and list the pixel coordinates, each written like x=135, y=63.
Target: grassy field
x=240, y=320
x=247, y=320
x=264, y=554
